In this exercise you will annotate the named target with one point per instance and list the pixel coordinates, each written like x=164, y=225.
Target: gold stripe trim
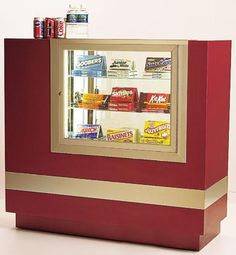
x=126, y=192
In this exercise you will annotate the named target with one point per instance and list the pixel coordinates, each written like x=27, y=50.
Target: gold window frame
x=176, y=152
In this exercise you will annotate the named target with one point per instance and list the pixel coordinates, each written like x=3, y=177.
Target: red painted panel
x=217, y=118
x=160, y=225
x=27, y=75
x=110, y=215
x=212, y=218
x=34, y=222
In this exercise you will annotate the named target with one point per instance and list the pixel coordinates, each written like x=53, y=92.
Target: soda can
x=60, y=28
x=38, y=27
x=49, y=28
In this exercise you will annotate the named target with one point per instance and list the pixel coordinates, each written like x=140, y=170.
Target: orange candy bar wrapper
x=93, y=101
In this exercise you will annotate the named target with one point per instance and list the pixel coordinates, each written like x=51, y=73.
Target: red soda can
x=38, y=27
x=60, y=28
x=49, y=28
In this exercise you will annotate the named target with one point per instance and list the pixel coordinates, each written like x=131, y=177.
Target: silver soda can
x=60, y=28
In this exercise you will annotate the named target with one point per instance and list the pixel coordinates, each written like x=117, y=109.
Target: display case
x=120, y=98
x=118, y=139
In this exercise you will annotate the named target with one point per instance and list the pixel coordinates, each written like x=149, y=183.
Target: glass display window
x=119, y=98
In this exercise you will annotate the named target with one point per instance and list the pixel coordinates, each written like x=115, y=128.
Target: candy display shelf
x=169, y=191
x=125, y=112
x=123, y=78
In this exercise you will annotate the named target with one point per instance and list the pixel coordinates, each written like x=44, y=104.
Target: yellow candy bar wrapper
x=149, y=140
x=122, y=135
x=157, y=129
x=90, y=97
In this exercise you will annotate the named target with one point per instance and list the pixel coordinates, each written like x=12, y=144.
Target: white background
x=173, y=19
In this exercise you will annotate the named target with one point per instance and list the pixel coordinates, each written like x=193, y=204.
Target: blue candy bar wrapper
x=89, y=65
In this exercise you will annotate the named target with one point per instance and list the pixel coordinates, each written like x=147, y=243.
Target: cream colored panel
x=215, y=192
x=127, y=192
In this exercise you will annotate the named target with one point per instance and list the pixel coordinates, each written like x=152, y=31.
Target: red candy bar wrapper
x=126, y=95
x=154, y=102
x=126, y=107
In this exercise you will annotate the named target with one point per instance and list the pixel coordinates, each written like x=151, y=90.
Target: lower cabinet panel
x=151, y=224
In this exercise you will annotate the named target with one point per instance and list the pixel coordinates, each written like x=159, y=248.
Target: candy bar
x=89, y=131
x=127, y=107
x=154, y=102
x=122, y=73
x=123, y=99
x=122, y=68
x=159, y=130
x=128, y=95
x=149, y=140
x=93, y=101
x=122, y=135
x=122, y=64
x=89, y=65
x=157, y=64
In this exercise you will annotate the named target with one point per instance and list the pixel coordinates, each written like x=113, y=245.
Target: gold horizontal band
x=126, y=192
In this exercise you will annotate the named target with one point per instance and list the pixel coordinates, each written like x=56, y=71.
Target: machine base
x=137, y=233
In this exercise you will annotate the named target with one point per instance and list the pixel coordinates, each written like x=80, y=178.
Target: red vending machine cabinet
x=118, y=139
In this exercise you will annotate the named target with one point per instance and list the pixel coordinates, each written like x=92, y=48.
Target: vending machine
x=118, y=139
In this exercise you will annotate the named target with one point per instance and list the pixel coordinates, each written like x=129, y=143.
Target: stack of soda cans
x=49, y=28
